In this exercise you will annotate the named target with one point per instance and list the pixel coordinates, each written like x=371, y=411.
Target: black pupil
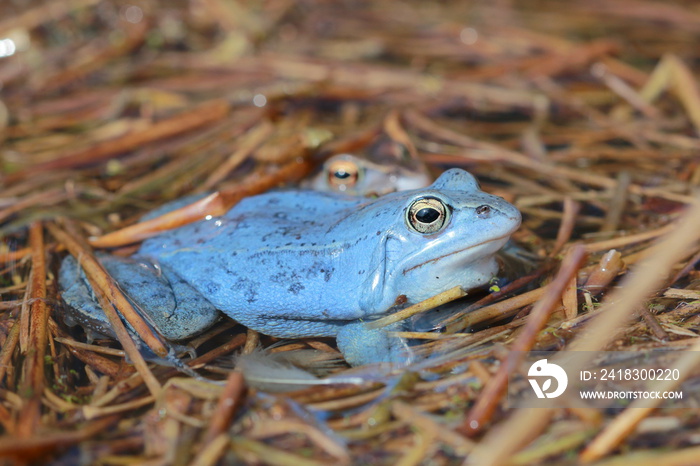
x=341, y=174
x=427, y=215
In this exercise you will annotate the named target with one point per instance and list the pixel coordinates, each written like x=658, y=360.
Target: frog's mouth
x=489, y=246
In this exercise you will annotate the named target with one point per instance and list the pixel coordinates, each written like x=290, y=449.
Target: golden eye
x=343, y=174
x=427, y=215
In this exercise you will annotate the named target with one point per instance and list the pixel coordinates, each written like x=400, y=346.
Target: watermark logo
x=541, y=369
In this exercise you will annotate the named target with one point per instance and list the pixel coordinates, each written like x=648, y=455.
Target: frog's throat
x=436, y=259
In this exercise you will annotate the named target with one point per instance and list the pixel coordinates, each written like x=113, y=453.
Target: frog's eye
x=427, y=215
x=343, y=174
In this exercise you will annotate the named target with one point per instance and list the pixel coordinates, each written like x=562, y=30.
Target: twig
x=225, y=407
x=34, y=364
x=566, y=227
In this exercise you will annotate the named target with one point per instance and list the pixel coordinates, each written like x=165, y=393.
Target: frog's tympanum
x=298, y=264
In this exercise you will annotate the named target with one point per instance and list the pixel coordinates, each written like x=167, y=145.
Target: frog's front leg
x=170, y=304
x=363, y=345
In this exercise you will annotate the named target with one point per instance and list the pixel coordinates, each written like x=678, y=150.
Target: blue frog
x=296, y=264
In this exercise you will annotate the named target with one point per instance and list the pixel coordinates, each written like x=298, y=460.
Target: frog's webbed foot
x=362, y=345
x=171, y=359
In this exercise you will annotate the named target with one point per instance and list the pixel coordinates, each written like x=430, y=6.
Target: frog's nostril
x=483, y=210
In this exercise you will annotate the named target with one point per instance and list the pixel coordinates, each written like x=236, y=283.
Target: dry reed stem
x=672, y=72
x=92, y=412
x=501, y=310
x=257, y=452
x=680, y=457
x=248, y=143
x=226, y=407
x=93, y=348
x=624, y=90
x=33, y=370
x=617, y=203
x=566, y=227
x=560, y=446
x=570, y=300
x=212, y=452
x=630, y=239
x=392, y=127
x=425, y=305
x=8, y=349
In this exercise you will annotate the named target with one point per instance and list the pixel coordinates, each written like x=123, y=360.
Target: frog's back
x=271, y=256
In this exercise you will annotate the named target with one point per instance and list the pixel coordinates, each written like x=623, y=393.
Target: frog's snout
x=517, y=219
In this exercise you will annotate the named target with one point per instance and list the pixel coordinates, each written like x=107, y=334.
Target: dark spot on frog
x=400, y=299
x=212, y=288
x=249, y=287
x=295, y=288
x=251, y=295
x=327, y=274
x=379, y=232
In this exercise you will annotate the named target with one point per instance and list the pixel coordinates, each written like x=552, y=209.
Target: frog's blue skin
x=308, y=264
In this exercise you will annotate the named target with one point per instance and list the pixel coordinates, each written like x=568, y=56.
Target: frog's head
x=445, y=235
x=357, y=176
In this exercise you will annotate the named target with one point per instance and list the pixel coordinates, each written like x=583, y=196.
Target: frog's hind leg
x=172, y=306
x=193, y=313
x=81, y=305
